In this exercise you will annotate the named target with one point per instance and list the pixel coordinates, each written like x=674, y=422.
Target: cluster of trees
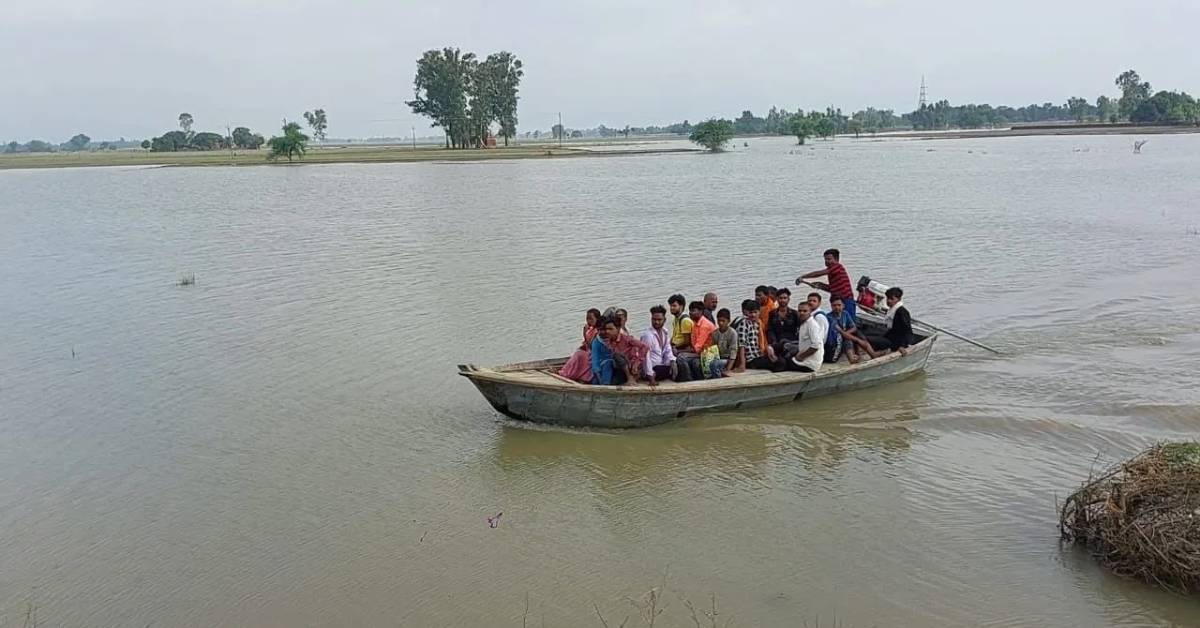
x=290, y=142
x=79, y=142
x=1137, y=103
x=185, y=139
x=464, y=95
x=1164, y=107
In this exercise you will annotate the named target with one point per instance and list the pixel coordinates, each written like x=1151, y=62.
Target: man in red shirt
x=839, y=280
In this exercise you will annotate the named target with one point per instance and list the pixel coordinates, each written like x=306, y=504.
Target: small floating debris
x=188, y=280
x=494, y=522
x=1141, y=518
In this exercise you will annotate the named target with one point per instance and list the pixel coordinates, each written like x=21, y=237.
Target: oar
x=920, y=322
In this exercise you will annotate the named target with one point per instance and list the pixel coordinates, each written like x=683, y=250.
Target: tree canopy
x=242, y=137
x=293, y=143
x=712, y=134
x=317, y=122
x=464, y=96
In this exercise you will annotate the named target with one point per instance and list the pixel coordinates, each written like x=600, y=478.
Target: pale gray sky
x=113, y=68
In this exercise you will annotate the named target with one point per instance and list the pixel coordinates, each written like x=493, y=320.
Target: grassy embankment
x=316, y=155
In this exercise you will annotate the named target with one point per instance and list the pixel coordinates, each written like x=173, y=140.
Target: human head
x=814, y=301
x=803, y=311
x=750, y=307
x=658, y=316
x=593, y=317
x=622, y=316
x=710, y=301
x=771, y=291
x=832, y=256
x=696, y=310
x=723, y=318
x=784, y=296
x=893, y=296
x=762, y=293
x=676, y=303
x=611, y=327
x=836, y=305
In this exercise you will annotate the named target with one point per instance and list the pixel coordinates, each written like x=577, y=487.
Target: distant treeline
x=78, y=143
x=1137, y=103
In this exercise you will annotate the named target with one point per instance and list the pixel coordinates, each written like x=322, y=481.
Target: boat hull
x=579, y=405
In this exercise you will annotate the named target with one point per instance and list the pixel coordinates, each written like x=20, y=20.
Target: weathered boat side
x=548, y=399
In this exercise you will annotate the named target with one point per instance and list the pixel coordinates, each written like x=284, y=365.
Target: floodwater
x=286, y=442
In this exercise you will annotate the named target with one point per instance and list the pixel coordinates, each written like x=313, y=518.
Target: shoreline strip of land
x=395, y=153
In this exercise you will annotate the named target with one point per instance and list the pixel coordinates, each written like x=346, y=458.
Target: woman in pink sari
x=579, y=365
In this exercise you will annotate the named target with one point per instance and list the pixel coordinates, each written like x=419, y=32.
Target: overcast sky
x=113, y=68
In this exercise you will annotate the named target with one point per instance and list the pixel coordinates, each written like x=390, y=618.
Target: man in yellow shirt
x=681, y=329
x=686, y=358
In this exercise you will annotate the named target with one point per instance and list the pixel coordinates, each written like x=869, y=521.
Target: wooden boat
x=533, y=391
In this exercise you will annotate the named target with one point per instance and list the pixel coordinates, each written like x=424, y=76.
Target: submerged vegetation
x=1141, y=518
x=712, y=134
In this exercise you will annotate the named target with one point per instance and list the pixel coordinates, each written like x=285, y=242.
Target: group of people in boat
x=703, y=341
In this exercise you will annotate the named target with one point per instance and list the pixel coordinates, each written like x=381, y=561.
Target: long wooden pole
x=920, y=322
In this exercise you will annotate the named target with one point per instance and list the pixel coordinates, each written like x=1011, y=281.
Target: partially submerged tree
x=801, y=127
x=293, y=143
x=712, y=134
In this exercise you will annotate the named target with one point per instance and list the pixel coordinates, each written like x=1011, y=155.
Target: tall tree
x=440, y=91
x=504, y=72
x=801, y=127
x=1105, y=108
x=185, y=123
x=317, y=121
x=712, y=134
x=1078, y=107
x=556, y=131
x=293, y=142
x=855, y=127
x=1133, y=92
x=826, y=127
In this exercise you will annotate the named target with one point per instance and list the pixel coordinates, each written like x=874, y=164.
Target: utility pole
x=229, y=138
x=561, y=129
x=921, y=101
x=414, y=134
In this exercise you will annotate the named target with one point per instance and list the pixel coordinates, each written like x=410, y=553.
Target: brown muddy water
x=286, y=443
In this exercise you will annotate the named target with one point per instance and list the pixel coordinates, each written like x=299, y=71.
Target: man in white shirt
x=660, y=358
x=812, y=341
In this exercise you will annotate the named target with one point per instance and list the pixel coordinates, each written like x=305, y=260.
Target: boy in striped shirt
x=839, y=280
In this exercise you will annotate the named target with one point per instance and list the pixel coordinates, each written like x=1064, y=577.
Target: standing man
x=660, y=359
x=710, y=307
x=839, y=279
x=811, y=342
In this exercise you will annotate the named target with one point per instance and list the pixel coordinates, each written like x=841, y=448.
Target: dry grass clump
x=1141, y=518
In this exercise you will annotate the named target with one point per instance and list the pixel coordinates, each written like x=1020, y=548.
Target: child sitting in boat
x=726, y=339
